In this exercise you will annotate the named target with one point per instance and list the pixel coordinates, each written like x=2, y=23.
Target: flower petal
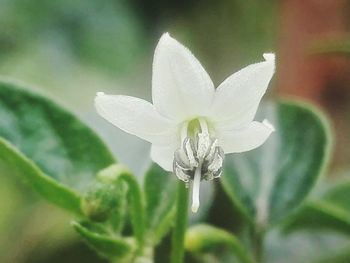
x=181, y=88
x=135, y=116
x=245, y=139
x=236, y=100
x=163, y=155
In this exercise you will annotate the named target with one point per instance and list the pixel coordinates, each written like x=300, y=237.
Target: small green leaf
x=104, y=244
x=59, y=144
x=13, y=162
x=206, y=238
x=160, y=193
x=266, y=184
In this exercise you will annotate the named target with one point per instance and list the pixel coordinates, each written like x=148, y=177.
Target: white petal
x=163, y=155
x=245, y=139
x=135, y=116
x=237, y=98
x=181, y=88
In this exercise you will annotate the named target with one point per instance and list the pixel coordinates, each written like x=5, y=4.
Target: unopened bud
x=99, y=202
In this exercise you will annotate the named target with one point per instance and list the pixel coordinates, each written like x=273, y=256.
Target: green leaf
x=104, y=244
x=331, y=212
x=206, y=238
x=13, y=162
x=59, y=144
x=160, y=194
x=266, y=184
x=339, y=195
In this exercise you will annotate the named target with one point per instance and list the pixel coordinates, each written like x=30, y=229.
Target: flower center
x=198, y=158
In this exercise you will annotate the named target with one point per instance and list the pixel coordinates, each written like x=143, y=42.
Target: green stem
x=178, y=238
x=258, y=240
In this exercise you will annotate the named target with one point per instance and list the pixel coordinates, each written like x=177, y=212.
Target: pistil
x=195, y=188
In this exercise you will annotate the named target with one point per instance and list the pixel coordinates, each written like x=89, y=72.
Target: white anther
x=203, y=145
x=190, y=154
x=216, y=164
x=181, y=175
x=212, y=149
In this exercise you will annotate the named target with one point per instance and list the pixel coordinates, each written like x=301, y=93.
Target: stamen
x=198, y=158
x=190, y=153
x=195, y=189
x=203, y=145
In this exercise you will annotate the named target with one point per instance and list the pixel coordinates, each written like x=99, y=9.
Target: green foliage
x=331, y=211
x=117, y=174
x=304, y=246
x=65, y=162
x=59, y=143
x=160, y=193
x=106, y=245
x=266, y=184
x=14, y=163
x=206, y=238
x=106, y=35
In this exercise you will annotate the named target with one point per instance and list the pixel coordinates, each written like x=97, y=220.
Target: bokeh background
x=69, y=50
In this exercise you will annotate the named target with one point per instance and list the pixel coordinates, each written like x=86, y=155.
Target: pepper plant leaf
x=160, y=193
x=105, y=244
x=266, y=184
x=63, y=153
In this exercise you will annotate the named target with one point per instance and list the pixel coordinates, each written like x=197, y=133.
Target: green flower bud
x=100, y=201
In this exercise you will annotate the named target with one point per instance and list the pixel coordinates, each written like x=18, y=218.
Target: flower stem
x=178, y=238
x=259, y=246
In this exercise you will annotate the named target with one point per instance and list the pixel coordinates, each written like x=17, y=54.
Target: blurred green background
x=69, y=50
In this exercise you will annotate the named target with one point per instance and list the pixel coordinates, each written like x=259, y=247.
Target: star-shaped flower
x=190, y=123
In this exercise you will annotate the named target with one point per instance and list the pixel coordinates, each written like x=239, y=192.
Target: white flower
x=190, y=123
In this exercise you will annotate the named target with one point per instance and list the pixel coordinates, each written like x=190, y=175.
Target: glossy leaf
x=266, y=184
x=63, y=149
x=160, y=194
x=104, y=244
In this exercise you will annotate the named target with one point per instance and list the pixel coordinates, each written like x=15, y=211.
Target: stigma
x=199, y=157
